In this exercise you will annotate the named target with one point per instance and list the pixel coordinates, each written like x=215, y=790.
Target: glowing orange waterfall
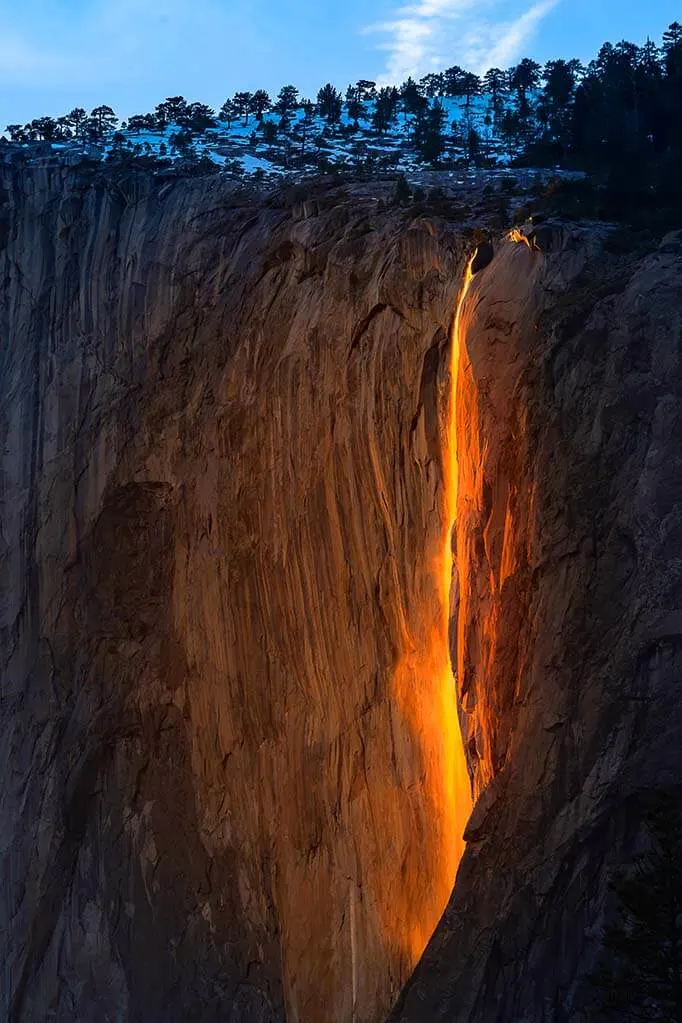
x=425, y=690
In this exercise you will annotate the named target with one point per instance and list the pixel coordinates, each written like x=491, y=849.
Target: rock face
x=228, y=790
x=233, y=782
x=568, y=631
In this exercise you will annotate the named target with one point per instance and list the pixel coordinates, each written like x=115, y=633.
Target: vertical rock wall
x=568, y=637
x=220, y=498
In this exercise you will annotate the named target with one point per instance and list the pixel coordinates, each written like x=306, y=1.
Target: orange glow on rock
x=425, y=690
x=519, y=237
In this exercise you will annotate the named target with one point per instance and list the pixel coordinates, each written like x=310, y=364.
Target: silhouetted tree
x=452, y=78
x=384, y=109
x=76, y=118
x=553, y=109
x=181, y=142
x=104, y=118
x=287, y=100
x=142, y=122
x=64, y=129
x=260, y=102
x=228, y=112
x=495, y=83
x=170, y=111
x=413, y=101
x=44, y=128
x=511, y=131
x=473, y=147
x=242, y=104
x=366, y=89
x=270, y=131
x=523, y=79
x=17, y=132
x=428, y=136
x=432, y=85
x=355, y=107
x=329, y=103
x=471, y=86
x=672, y=84
x=197, y=117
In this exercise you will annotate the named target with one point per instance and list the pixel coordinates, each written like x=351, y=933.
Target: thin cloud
x=434, y=34
x=512, y=37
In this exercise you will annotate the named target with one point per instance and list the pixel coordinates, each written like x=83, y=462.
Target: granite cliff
x=227, y=797
x=234, y=785
x=567, y=635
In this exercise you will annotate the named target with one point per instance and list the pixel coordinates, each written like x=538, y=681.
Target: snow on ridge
x=307, y=145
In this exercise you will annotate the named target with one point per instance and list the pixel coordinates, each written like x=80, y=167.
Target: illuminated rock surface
x=569, y=638
x=233, y=786
x=227, y=701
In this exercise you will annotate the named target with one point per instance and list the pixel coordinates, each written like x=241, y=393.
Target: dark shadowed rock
x=484, y=255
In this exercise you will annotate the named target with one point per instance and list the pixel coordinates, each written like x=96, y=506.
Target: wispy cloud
x=510, y=37
x=433, y=34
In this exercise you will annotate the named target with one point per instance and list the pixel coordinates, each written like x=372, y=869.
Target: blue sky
x=56, y=54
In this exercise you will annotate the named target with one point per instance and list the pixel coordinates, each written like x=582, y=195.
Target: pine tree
x=428, y=137
x=523, y=79
x=181, y=142
x=453, y=80
x=384, y=110
x=17, y=132
x=76, y=118
x=672, y=37
x=142, y=122
x=170, y=111
x=260, y=102
x=432, y=85
x=287, y=100
x=494, y=83
x=511, y=131
x=242, y=104
x=228, y=112
x=471, y=86
x=366, y=89
x=269, y=130
x=104, y=118
x=553, y=110
x=355, y=108
x=672, y=49
x=44, y=128
x=473, y=146
x=65, y=128
x=329, y=103
x=413, y=101
x=198, y=118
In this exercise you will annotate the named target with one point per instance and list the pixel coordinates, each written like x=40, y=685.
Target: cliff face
x=568, y=631
x=233, y=781
x=223, y=702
